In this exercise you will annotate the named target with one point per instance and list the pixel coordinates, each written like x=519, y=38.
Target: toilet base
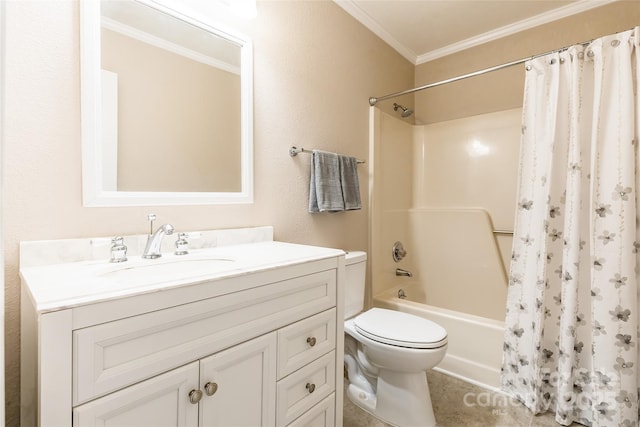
x=401, y=399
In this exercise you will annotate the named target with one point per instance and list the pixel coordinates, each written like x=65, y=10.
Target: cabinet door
x=161, y=401
x=239, y=385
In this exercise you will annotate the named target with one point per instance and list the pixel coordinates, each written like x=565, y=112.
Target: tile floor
x=448, y=398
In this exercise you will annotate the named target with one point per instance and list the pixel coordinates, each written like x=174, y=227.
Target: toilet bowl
x=386, y=355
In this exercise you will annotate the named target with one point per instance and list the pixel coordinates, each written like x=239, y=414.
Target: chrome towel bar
x=294, y=151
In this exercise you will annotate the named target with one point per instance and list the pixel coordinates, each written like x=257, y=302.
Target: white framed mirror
x=167, y=106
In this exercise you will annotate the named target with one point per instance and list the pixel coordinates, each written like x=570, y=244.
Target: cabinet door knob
x=210, y=388
x=195, y=396
x=311, y=341
x=311, y=387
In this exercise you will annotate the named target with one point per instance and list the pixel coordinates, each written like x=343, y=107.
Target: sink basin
x=149, y=271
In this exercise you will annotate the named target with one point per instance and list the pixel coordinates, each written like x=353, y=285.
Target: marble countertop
x=66, y=285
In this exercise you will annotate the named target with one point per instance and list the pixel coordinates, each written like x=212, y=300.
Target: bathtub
x=475, y=343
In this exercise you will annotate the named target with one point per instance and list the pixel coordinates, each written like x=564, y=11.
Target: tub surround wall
x=461, y=176
x=391, y=151
x=469, y=166
x=458, y=264
x=470, y=162
x=299, y=61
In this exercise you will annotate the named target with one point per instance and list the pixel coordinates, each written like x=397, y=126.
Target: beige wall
x=315, y=68
x=501, y=90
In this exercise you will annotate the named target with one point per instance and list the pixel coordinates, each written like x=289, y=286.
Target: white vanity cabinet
x=256, y=346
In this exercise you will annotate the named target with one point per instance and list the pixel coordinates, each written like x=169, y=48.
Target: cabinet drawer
x=306, y=340
x=112, y=355
x=321, y=415
x=305, y=388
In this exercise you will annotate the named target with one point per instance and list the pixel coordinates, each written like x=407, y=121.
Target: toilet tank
x=356, y=270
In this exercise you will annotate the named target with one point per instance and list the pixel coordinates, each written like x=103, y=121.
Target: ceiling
x=424, y=30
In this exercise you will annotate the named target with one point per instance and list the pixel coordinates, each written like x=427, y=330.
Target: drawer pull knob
x=311, y=387
x=210, y=388
x=195, y=396
x=311, y=341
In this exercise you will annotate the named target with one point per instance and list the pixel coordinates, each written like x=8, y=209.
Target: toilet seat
x=400, y=329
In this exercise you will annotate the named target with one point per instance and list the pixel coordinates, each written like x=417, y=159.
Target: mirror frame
x=93, y=193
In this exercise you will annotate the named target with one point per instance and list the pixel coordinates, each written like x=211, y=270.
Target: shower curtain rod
x=374, y=100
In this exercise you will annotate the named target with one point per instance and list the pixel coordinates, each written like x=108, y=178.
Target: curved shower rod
x=374, y=100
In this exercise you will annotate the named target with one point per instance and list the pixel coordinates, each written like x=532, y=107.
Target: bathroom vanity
x=240, y=334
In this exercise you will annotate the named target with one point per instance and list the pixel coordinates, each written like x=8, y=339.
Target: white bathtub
x=475, y=343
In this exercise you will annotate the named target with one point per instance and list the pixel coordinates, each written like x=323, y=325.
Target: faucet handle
x=182, y=245
x=398, y=251
x=118, y=250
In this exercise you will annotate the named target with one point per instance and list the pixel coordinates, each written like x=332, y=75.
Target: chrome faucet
x=154, y=241
x=401, y=272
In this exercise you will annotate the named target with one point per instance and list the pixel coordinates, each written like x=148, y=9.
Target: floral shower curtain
x=571, y=340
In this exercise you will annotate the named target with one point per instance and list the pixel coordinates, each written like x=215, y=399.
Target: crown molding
x=543, y=18
x=553, y=15
x=352, y=9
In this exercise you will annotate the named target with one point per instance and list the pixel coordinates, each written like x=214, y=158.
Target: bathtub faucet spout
x=401, y=272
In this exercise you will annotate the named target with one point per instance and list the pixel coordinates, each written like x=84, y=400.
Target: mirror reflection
x=172, y=123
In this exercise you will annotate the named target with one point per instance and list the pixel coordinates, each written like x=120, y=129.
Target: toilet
x=386, y=355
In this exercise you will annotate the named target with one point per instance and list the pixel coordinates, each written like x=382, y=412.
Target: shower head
x=405, y=111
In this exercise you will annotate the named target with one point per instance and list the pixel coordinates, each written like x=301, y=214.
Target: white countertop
x=66, y=285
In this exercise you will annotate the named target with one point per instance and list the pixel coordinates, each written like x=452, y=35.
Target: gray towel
x=333, y=185
x=350, y=184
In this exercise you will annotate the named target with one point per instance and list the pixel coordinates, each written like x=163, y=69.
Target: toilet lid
x=400, y=329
